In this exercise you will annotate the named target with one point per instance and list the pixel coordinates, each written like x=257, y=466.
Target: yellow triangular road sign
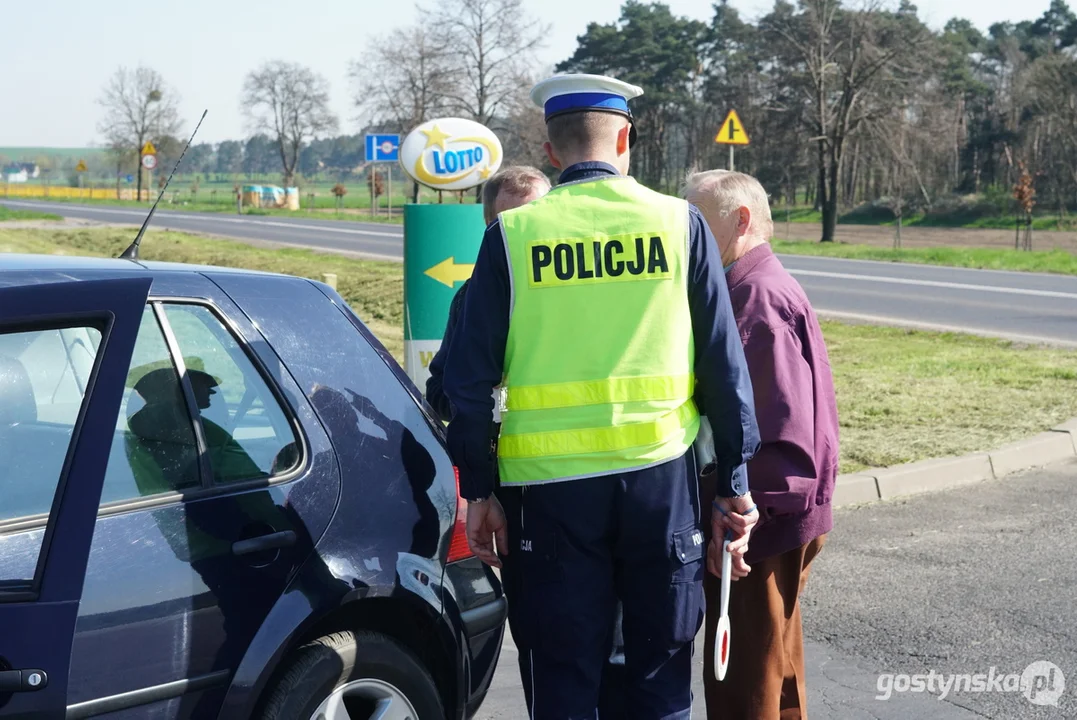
x=732, y=131
x=149, y=149
x=81, y=167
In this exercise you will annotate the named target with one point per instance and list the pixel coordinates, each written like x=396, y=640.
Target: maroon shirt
x=792, y=476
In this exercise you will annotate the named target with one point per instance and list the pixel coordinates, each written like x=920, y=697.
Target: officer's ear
x=624, y=139
x=550, y=154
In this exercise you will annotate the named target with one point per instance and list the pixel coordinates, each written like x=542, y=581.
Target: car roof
x=74, y=263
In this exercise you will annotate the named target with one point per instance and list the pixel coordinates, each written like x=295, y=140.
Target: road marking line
x=939, y=284
x=209, y=218
x=939, y=327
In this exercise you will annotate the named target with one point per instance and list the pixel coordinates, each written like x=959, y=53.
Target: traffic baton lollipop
x=721, y=636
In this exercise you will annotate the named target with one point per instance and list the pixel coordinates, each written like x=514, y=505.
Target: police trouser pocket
x=686, y=585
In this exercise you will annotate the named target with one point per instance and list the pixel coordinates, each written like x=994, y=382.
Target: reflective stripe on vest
x=597, y=392
x=598, y=373
x=591, y=440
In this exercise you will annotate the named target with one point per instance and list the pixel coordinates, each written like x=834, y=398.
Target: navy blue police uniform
x=585, y=543
x=611, y=700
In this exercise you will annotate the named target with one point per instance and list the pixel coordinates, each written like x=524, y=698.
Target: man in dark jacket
x=793, y=472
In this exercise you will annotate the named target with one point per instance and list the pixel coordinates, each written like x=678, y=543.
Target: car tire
x=367, y=662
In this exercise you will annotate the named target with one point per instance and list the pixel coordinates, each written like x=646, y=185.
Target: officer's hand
x=735, y=517
x=485, y=521
x=738, y=567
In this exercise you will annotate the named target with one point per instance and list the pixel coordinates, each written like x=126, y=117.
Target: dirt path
x=926, y=236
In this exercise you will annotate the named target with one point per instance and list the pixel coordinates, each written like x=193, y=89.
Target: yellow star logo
x=484, y=173
x=434, y=136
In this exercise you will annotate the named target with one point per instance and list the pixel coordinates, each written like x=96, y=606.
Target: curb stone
x=874, y=485
x=1070, y=428
x=1039, y=449
x=928, y=475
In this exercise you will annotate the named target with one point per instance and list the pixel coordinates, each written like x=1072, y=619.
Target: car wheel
x=354, y=676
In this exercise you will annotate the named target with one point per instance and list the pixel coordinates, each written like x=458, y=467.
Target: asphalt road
x=955, y=583
x=1020, y=306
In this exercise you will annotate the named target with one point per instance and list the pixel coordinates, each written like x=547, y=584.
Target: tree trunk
x=828, y=193
x=138, y=168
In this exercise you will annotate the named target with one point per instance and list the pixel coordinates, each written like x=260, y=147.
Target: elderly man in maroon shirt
x=793, y=473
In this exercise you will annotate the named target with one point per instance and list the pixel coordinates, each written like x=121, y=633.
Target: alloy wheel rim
x=366, y=699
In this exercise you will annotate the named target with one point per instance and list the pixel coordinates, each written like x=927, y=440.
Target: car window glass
x=247, y=433
x=153, y=449
x=41, y=396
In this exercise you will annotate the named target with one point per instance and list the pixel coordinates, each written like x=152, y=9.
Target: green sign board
x=441, y=243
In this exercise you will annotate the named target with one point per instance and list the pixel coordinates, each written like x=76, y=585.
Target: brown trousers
x=765, y=678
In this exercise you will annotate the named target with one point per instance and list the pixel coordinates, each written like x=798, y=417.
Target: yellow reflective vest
x=598, y=372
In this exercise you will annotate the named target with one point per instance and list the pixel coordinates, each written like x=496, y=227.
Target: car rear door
x=42, y=573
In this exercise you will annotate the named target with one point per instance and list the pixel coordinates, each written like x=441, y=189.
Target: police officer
x=602, y=311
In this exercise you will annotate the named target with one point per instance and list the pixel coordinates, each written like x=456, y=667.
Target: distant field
x=219, y=195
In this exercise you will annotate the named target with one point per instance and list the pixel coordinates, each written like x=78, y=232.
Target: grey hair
x=725, y=190
x=516, y=180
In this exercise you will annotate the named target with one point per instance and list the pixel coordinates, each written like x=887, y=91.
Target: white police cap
x=577, y=92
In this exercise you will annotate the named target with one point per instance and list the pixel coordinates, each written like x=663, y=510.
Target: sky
x=59, y=54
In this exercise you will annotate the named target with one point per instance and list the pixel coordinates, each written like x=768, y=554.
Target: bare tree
x=494, y=44
x=403, y=80
x=291, y=104
x=138, y=106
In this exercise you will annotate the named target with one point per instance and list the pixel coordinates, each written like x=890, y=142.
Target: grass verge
x=902, y=395
x=10, y=214
x=907, y=395
x=1052, y=261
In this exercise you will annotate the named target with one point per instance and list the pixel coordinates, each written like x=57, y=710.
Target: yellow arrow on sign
x=448, y=272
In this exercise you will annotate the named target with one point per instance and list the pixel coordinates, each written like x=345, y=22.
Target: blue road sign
x=130, y=178
x=382, y=148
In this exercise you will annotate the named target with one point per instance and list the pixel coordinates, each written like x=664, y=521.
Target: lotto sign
x=451, y=154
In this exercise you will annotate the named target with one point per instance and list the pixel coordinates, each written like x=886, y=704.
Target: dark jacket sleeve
x=435, y=392
x=725, y=387
x=474, y=367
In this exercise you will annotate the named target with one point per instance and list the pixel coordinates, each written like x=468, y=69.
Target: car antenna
x=131, y=253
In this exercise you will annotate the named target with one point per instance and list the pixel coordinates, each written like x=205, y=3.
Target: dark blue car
x=221, y=498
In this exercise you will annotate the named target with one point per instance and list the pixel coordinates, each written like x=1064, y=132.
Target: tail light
x=458, y=546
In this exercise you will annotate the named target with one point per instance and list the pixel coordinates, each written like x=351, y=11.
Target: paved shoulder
x=973, y=587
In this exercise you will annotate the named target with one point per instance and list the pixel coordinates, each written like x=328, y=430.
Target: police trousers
x=584, y=544
x=611, y=703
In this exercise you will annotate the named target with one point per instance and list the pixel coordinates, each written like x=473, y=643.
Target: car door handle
x=273, y=541
x=13, y=681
